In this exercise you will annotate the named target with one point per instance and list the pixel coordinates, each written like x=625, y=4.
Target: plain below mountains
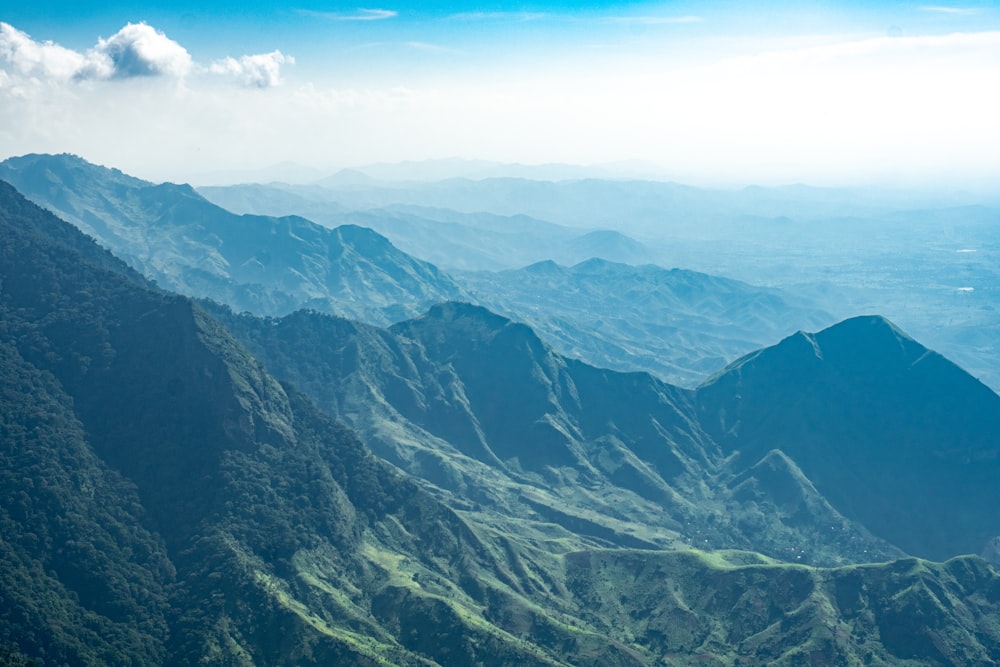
x=165, y=500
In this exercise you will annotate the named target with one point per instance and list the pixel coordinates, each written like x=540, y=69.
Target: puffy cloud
x=138, y=49
x=261, y=70
x=30, y=58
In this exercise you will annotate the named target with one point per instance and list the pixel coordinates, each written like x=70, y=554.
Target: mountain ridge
x=266, y=265
x=870, y=393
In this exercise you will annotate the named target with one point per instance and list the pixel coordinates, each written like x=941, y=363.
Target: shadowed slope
x=893, y=434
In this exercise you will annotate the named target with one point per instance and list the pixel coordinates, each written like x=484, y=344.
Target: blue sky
x=713, y=92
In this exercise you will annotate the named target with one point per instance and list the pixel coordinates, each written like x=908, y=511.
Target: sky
x=717, y=93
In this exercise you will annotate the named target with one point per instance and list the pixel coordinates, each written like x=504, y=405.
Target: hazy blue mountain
x=285, y=172
x=633, y=206
x=273, y=199
x=440, y=169
x=893, y=434
x=261, y=264
x=680, y=325
x=165, y=501
x=450, y=239
x=926, y=261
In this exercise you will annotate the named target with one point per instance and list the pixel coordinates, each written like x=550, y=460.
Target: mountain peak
x=545, y=267
x=868, y=414
x=865, y=345
x=455, y=311
x=595, y=265
x=456, y=326
x=36, y=170
x=869, y=342
x=347, y=177
x=870, y=327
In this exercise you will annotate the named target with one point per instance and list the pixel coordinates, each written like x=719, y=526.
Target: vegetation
x=165, y=500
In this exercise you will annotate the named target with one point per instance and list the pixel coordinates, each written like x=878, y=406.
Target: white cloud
x=138, y=49
x=135, y=50
x=30, y=58
x=262, y=70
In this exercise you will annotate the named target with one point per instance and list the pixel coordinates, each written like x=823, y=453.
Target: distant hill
x=893, y=434
x=435, y=170
x=922, y=259
x=264, y=265
x=623, y=317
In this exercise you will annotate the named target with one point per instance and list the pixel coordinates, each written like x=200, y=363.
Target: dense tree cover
x=167, y=501
x=84, y=580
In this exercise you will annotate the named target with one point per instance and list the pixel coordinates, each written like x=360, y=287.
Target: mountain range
x=453, y=240
x=262, y=264
x=178, y=488
x=925, y=260
x=680, y=325
x=677, y=324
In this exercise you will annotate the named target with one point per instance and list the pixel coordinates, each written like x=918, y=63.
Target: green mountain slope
x=265, y=265
x=168, y=502
x=507, y=429
x=692, y=608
